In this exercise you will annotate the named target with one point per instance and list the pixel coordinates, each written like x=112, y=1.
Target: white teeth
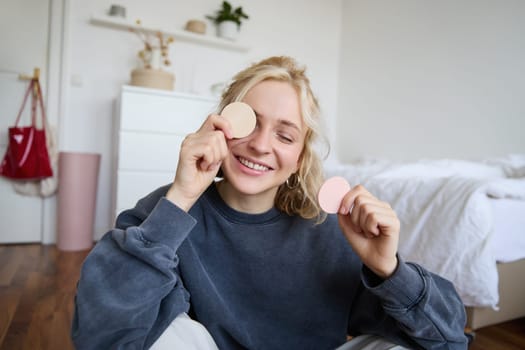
x=253, y=166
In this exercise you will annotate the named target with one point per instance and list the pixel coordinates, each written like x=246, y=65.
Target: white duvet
x=446, y=218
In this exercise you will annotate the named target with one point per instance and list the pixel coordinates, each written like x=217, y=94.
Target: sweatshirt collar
x=215, y=200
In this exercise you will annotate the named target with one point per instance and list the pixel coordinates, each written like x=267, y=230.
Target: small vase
x=155, y=58
x=228, y=30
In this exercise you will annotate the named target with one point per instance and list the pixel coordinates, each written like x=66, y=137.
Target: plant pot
x=228, y=30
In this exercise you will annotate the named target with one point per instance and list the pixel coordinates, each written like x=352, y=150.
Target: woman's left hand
x=372, y=228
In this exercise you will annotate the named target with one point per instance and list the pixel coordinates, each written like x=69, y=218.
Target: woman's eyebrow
x=289, y=124
x=284, y=122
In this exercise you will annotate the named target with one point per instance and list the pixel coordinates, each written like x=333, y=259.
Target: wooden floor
x=37, y=286
x=505, y=336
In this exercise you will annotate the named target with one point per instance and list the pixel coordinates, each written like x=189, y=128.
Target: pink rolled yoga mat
x=77, y=195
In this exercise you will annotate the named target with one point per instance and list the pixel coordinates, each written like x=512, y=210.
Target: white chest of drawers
x=149, y=128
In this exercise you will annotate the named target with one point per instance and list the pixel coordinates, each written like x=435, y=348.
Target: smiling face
x=260, y=162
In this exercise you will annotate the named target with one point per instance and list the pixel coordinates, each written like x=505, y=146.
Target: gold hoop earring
x=293, y=182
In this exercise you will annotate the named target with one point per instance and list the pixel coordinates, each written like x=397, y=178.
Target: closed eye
x=285, y=138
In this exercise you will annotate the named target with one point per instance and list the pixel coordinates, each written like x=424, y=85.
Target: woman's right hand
x=201, y=155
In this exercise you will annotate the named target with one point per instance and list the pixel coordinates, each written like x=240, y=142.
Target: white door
x=24, y=36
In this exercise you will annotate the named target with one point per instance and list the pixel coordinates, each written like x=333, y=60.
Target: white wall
x=432, y=79
x=99, y=61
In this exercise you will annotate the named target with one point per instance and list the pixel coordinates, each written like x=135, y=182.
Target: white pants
x=185, y=333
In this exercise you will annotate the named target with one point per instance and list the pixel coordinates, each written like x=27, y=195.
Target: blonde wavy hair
x=298, y=195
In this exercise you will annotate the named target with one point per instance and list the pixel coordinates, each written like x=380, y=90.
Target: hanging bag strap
x=34, y=101
x=41, y=103
x=30, y=87
x=34, y=84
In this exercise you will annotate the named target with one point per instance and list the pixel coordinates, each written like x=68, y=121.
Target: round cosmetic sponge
x=241, y=117
x=331, y=194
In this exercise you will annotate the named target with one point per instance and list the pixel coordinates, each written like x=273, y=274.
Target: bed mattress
x=508, y=238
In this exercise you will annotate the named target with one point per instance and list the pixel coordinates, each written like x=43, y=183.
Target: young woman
x=251, y=257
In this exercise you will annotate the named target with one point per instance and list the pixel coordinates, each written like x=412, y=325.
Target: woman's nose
x=260, y=140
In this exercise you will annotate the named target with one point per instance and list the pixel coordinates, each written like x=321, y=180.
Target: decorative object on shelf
x=117, y=11
x=228, y=30
x=196, y=26
x=152, y=78
x=228, y=20
x=156, y=48
x=154, y=56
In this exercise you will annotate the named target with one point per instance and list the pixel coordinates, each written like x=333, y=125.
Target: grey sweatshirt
x=265, y=281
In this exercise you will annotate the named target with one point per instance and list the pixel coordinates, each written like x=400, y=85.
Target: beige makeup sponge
x=241, y=117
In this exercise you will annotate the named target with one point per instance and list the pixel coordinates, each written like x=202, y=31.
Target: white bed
x=508, y=239
x=461, y=219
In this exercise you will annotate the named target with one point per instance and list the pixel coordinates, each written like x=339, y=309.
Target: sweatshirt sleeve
x=129, y=290
x=414, y=308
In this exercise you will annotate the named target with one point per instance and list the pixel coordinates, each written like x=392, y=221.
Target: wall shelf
x=181, y=35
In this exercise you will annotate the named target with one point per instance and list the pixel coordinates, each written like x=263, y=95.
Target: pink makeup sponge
x=241, y=117
x=331, y=194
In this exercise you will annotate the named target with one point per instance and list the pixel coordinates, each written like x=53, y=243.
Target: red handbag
x=26, y=157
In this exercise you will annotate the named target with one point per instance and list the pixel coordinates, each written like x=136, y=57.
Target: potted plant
x=228, y=20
